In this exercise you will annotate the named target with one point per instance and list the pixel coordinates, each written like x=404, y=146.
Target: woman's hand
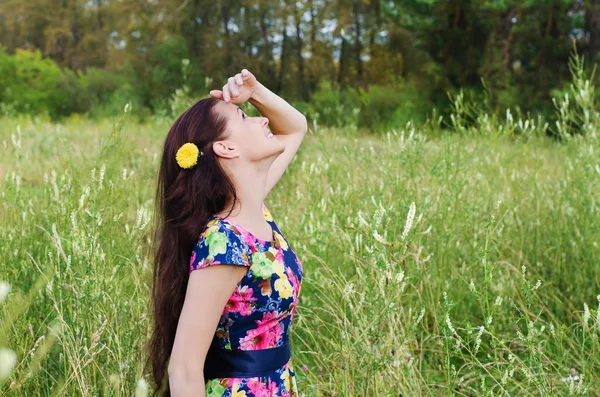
x=238, y=89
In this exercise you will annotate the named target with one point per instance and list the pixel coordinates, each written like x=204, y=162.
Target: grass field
x=463, y=262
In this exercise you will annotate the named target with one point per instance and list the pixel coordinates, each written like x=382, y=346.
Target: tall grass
x=457, y=262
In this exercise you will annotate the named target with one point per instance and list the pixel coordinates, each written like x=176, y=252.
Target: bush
x=36, y=85
x=107, y=92
x=384, y=108
x=333, y=106
x=379, y=108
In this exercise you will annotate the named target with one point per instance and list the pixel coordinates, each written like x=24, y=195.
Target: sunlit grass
x=456, y=262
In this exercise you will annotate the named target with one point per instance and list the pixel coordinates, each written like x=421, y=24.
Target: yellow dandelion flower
x=187, y=155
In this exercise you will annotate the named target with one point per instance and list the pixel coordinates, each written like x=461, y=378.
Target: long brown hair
x=185, y=198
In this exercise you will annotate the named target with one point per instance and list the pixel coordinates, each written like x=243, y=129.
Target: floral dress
x=259, y=312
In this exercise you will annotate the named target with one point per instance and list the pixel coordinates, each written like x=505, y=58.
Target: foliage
x=32, y=84
x=426, y=47
x=423, y=274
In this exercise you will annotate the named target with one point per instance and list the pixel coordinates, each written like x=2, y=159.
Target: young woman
x=226, y=280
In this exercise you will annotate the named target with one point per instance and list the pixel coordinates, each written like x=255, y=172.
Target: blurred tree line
x=391, y=59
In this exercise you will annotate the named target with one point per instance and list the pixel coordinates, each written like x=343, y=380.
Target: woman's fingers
x=246, y=75
x=226, y=95
x=233, y=88
x=238, y=79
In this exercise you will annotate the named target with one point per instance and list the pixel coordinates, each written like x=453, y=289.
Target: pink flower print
x=273, y=389
x=266, y=335
x=240, y=301
x=279, y=256
x=269, y=317
x=257, y=388
x=246, y=237
x=193, y=258
x=200, y=265
x=254, y=340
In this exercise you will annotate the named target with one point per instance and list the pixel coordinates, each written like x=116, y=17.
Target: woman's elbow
x=186, y=379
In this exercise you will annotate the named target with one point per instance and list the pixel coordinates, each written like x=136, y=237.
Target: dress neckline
x=260, y=240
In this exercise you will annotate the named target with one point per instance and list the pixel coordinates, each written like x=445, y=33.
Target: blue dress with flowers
x=259, y=312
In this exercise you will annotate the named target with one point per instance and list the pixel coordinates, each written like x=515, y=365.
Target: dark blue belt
x=221, y=363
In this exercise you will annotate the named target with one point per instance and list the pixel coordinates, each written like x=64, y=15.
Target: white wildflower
x=141, y=389
x=73, y=221
x=420, y=316
x=4, y=290
x=377, y=217
x=478, y=338
x=8, y=359
x=409, y=220
x=504, y=378
x=498, y=301
x=537, y=285
x=348, y=289
x=449, y=324
x=399, y=277
x=101, y=176
x=472, y=286
x=378, y=237
x=598, y=312
x=586, y=314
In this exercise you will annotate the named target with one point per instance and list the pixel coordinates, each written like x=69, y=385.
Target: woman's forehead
x=229, y=108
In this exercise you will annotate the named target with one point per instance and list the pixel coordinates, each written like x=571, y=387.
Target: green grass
x=375, y=310
x=492, y=288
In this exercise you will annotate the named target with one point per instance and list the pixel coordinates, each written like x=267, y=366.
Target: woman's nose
x=265, y=122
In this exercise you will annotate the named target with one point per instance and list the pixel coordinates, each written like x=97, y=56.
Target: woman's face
x=250, y=136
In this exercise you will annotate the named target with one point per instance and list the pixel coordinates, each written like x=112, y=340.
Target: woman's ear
x=226, y=149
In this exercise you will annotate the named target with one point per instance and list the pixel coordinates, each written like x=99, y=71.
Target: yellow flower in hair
x=187, y=155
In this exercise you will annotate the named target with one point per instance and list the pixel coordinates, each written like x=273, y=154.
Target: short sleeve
x=219, y=245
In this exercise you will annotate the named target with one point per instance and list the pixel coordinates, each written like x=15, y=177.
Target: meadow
x=460, y=261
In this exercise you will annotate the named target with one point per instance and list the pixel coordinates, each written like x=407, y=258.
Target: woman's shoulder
x=219, y=243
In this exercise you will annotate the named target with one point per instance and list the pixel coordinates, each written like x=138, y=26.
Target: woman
x=226, y=281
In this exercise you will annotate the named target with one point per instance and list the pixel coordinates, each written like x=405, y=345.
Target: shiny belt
x=221, y=363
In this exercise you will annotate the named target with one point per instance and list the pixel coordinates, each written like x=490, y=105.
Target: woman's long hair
x=185, y=198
